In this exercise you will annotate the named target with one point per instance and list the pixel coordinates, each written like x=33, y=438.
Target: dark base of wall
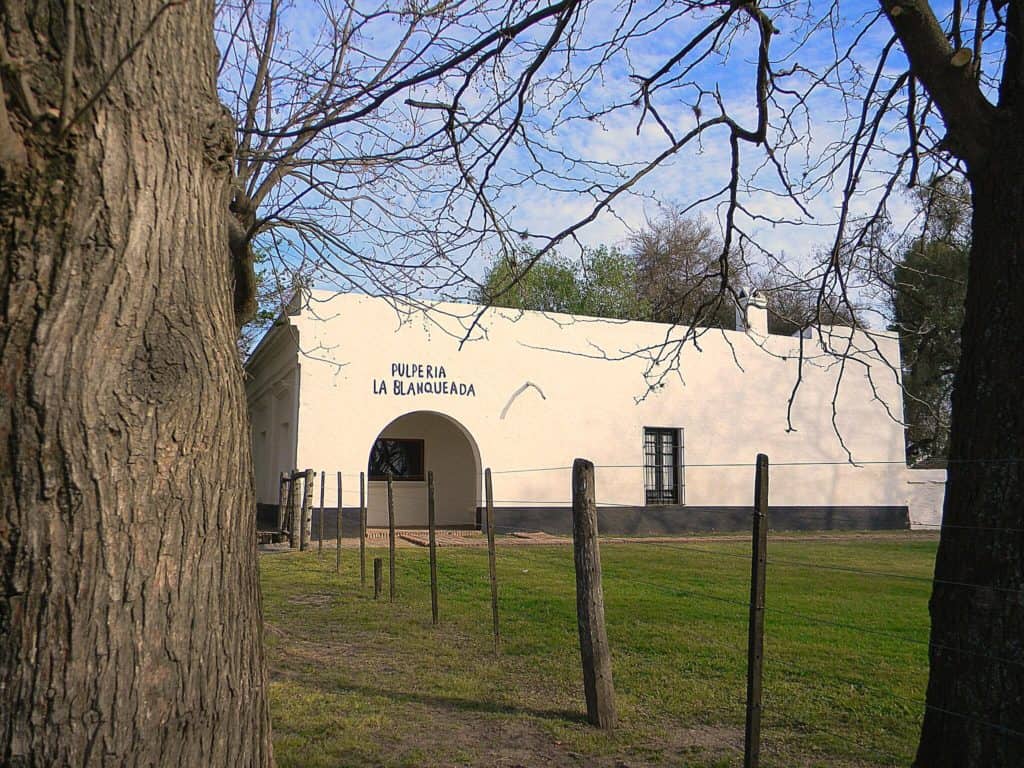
x=672, y=519
x=349, y=523
x=266, y=519
x=642, y=521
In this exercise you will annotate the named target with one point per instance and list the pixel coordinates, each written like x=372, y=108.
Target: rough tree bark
x=975, y=699
x=130, y=624
x=977, y=656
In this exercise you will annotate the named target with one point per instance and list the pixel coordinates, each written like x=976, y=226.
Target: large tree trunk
x=130, y=625
x=976, y=687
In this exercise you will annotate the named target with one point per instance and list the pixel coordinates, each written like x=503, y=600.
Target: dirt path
x=378, y=537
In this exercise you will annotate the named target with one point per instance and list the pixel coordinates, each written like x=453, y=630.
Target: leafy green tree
x=271, y=295
x=609, y=286
x=549, y=285
x=600, y=284
x=927, y=295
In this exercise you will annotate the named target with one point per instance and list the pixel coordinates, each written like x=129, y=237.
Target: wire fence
x=740, y=608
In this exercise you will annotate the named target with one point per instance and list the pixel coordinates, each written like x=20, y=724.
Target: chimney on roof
x=752, y=313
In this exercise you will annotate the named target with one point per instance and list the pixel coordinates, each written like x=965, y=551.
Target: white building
x=353, y=384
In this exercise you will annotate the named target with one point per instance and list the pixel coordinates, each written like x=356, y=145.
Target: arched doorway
x=412, y=445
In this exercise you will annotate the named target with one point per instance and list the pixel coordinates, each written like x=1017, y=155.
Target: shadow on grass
x=466, y=705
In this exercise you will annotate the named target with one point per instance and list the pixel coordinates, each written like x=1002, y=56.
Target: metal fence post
x=755, y=645
x=492, y=566
x=432, y=528
x=320, y=527
x=337, y=537
x=362, y=529
x=391, y=541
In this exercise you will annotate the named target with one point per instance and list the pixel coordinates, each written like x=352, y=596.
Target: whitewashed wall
x=926, y=491
x=585, y=395
x=272, y=386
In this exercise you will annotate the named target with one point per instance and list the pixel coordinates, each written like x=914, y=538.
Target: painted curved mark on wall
x=520, y=391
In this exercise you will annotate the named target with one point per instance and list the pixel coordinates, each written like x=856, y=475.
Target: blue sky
x=563, y=123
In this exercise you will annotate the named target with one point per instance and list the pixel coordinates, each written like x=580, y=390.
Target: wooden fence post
x=320, y=527
x=378, y=577
x=491, y=562
x=432, y=528
x=755, y=643
x=337, y=532
x=306, y=534
x=594, y=650
x=301, y=512
x=282, y=491
x=362, y=529
x=391, y=541
x=294, y=505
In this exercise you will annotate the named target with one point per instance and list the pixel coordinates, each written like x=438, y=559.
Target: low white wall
x=926, y=490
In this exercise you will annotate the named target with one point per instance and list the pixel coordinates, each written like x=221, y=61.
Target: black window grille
x=402, y=457
x=662, y=465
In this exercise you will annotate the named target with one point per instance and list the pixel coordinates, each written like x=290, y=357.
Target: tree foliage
x=796, y=305
x=681, y=273
x=928, y=286
x=271, y=293
x=671, y=274
x=602, y=283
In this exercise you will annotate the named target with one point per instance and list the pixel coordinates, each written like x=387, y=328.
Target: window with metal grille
x=662, y=465
x=402, y=458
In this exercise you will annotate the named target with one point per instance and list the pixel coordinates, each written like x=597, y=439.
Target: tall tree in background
x=130, y=624
x=681, y=274
x=611, y=278
x=671, y=275
x=927, y=290
x=271, y=295
x=550, y=285
x=795, y=305
x=602, y=283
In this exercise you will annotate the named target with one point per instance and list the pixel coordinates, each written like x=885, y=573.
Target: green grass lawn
x=355, y=682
